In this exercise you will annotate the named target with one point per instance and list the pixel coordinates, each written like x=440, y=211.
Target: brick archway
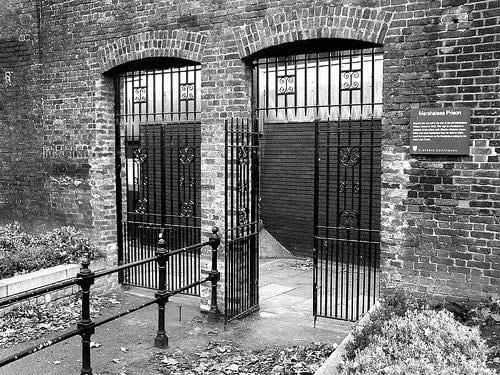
x=356, y=23
x=177, y=43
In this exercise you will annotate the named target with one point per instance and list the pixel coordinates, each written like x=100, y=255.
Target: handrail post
x=214, y=275
x=85, y=325
x=161, y=339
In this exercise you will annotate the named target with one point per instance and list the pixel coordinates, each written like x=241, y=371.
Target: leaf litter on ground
x=224, y=357
x=28, y=322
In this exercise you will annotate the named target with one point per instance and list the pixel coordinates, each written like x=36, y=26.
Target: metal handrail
x=85, y=278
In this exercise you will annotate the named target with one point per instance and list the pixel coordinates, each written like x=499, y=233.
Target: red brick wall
x=22, y=193
x=440, y=215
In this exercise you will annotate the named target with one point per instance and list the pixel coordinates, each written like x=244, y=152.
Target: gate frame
x=188, y=267
x=242, y=223
x=336, y=310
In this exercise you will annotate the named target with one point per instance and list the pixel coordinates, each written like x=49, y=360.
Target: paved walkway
x=285, y=319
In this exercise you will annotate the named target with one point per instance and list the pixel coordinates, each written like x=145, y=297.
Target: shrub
x=423, y=341
x=22, y=252
x=395, y=304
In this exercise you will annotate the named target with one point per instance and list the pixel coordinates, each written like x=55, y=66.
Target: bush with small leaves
x=22, y=252
x=395, y=304
x=422, y=341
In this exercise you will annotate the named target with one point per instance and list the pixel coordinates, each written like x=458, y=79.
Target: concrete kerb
x=330, y=366
x=40, y=278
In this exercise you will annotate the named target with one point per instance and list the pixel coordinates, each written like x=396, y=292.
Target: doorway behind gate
x=158, y=164
x=319, y=116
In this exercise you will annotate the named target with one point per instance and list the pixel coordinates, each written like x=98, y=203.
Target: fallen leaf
x=94, y=344
x=123, y=349
x=495, y=317
x=169, y=361
x=232, y=367
x=203, y=355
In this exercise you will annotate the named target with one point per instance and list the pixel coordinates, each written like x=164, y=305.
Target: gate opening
x=158, y=170
x=319, y=114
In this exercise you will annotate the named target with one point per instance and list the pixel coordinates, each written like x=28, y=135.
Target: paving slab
x=285, y=319
x=273, y=290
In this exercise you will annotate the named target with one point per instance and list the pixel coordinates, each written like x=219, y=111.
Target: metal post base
x=214, y=315
x=161, y=341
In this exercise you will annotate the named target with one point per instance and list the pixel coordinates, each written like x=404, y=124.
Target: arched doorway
x=158, y=166
x=319, y=108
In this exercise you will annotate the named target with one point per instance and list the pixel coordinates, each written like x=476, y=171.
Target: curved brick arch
x=362, y=24
x=171, y=43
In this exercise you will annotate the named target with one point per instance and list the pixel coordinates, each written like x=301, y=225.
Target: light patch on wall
x=8, y=78
x=457, y=18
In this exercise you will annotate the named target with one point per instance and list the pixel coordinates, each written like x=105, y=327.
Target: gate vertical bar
x=118, y=173
x=316, y=214
x=255, y=180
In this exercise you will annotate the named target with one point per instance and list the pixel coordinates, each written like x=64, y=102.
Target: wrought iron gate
x=159, y=174
x=343, y=201
x=162, y=193
x=347, y=217
x=242, y=218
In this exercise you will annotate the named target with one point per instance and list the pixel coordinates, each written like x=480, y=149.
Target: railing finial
x=214, y=238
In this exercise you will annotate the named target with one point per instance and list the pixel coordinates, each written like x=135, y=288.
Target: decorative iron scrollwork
x=242, y=187
x=349, y=156
x=242, y=155
x=139, y=94
x=351, y=80
x=286, y=85
x=182, y=182
x=142, y=206
x=186, y=155
x=356, y=188
x=187, y=91
x=242, y=216
x=348, y=219
x=140, y=154
x=187, y=209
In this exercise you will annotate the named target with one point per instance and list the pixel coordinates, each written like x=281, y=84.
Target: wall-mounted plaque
x=436, y=131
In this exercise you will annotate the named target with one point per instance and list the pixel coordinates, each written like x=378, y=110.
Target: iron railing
x=85, y=278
